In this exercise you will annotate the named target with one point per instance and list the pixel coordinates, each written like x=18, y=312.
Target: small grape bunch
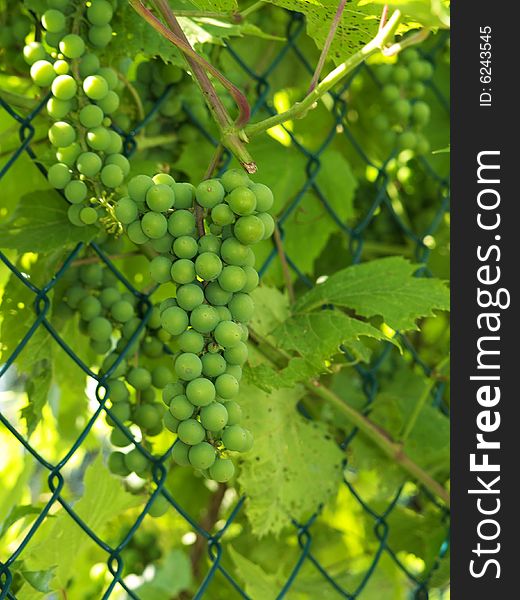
x=404, y=114
x=84, y=95
x=143, y=549
x=203, y=238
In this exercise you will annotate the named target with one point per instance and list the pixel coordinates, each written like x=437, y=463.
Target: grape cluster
x=404, y=115
x=203, y=237
x=83, y=98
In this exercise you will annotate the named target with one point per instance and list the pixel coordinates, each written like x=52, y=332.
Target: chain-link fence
x=355, y=234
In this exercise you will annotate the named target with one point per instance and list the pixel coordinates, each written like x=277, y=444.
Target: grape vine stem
x=395, y=450
x=300, y=109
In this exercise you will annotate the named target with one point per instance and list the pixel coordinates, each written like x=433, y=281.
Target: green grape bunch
x=202, y=237
x=83, y=97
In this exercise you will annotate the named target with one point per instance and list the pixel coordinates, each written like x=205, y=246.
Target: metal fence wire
x=368, y=375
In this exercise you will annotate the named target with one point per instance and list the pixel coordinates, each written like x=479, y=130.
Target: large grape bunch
x=404, y=114
x=83, y=96
x=203, y=238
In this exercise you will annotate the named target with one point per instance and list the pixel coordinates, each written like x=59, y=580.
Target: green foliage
x=430, y=13
x=39, y=223
x=289, y=453
x=385, y=287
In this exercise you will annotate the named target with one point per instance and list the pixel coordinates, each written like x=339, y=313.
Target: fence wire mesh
x=356, y=235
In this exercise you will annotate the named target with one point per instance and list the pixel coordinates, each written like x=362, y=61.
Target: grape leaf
x=39, y=223
x=357, y=26
x=384, y=287
x=35, y=360
x=59, y=541
x=430, y=13
x=289, y=452
x=163, y=585
x=257, y=583
x=224, y=6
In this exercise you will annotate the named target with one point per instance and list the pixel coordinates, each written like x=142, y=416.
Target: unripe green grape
x=208, y=266
x=213, y=365
x=407, y=140
x=202, y=456
x=183, y=271
x=89, y=308
x=99, y=12
x=95, y=87
x=180, y=453
x=242, y=201
x=235, y=438
x=171, y=390
x=152, y=347
x=264, y=197
x=110, y=103
x=191, y=341
x=88, y=215
x=200, y=391
x=148, y=395
x=98, y=138
x=400, y=75
x=235, y=371
x=160, y=269
x=72, y=46
x=139, y=378
x=159, y=507
x=227, y=386
x=111, y=176
x=160, y=197
x=108, y=296
x=174, y=320
x=118, y=391
x=209, y=243
x=119, y=439
x=88, y=65
x=252, y=279
x=185, y=247
x=138, y=186
x=181, y=222
x=154, y=225
x=110, y=360
x=111, y=77
x=154, y=321
x=222, y=215
x=33, y=52
x=161, y=376
x=91, y=116
x=188, y=366
x=222, y=470
x=59, y=175
x=170, y=422
x=100, y=329
x=163, y=179
x=237, y=355
x=417, y=89
x=117, y=464
x=61, y=67
x=126, y=211
x=249, y=230
x=53, y=20
x=58, y=109
x=100, y=36
x=184, y=194
x=136, y=462
x=91, y=275
x=269, y=225
x=214, y=417
x=390, y=93
x=234, y=178
x=232, y=278
x=136, y=234
x=420, y=113
x=89, y=164
x=228, y=334
x=167, y=303
x=148, y=416
x=42, y=73
x=242, y=307
x=234, y=412
x=189, y=296
x=74, y=295
x=204, y=318
x=215, y=295
x=61, y=134
x=233, y=252
x=119, y=160
x=75, y=191
x=120, y=411
x=402, y=109
x=209, y=193
x=191, y=432
x=122, y=311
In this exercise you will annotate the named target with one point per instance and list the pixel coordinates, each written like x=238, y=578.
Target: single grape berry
x=95, y=87
x=249, y=229
x=174, y=320
x=160, y=267
x=227, y=386
x=213, y=364
x=204, y=318
x=232, y=278
x=138, y=186
x=200, y=391
x=181, y=222
x=222, y=470
x=139, y=378
x=235, y=438
x=189, y=296
x=191, y=432
x=264, y=197
x=72, y=46
x=185, y=247
x=228, y=334
x=181, y=408
x=234, y=178
x=180, y=453
x=210, y=193
x=214, y=417
x=202, y=456
x=188, y=366
x=191, y=341
x=208, y=266
x=160, y=197
x=242, y=201
x=154, y=225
